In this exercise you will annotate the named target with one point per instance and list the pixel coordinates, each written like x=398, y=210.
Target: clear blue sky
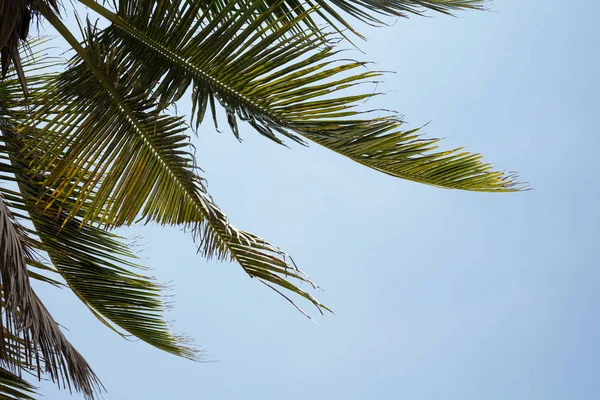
x=438, y=294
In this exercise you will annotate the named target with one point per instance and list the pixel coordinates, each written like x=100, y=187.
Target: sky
x=438, y=294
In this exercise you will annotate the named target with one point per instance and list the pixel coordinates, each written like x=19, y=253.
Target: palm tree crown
x=96, y=147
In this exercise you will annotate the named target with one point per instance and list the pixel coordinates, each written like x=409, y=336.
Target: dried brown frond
x=16, y=17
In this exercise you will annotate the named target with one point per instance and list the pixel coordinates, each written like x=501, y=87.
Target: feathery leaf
x=280, y=85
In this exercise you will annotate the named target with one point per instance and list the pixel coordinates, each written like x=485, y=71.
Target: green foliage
x=94, y=148
x=13, y=387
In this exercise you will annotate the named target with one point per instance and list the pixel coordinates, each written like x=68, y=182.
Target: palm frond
x=13, y=387
x=26, y=317
x=38, y=269
x=116, y=158
x=99, y=269
x=340, y=14
x=27, y=324
x=94, y=263
x=292, y=87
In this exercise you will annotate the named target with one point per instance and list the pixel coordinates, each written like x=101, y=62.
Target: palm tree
x=96, y=146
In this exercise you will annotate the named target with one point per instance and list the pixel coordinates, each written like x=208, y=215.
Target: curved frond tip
x=108, y=140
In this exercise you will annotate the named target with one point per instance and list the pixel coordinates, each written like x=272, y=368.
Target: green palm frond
x=13, y=387
x=93, y=263
x=295, y=88
x=99, y=269
x=94, y=148
x=27, y=318
x=336, y=12
x=116, y=158
x=27, y=323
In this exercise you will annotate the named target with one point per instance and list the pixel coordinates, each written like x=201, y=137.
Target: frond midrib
x=500, y=182
x=167, y=53
x=203, y=208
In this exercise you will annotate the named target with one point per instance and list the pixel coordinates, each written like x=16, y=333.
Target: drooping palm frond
x=99, y=269
x=37, y=268
x=13, y=387
x=27, y=325
x=115, y=157
x=94, y=263
x=95, y=150
x=25, y=317
x=280, y=85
